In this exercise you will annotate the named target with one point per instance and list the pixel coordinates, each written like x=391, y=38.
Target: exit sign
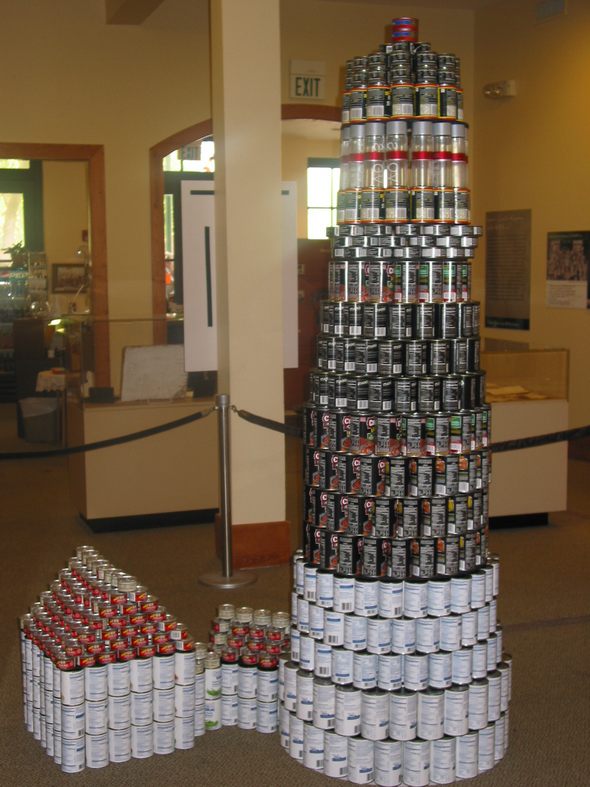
x=307, y=79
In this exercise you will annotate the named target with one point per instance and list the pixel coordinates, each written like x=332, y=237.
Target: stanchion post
x=227, y=579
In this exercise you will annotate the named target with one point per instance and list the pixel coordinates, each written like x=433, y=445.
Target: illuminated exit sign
x=307, y=79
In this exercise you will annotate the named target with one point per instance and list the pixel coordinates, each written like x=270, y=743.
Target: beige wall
x=531, y=151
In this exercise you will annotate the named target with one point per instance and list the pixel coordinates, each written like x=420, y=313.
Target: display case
x=528, y=392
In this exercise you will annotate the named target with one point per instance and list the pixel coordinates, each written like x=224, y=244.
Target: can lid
x=374, y=129
x=357, y=130
x=244, y=614
x=397, y=127
x=422, y=127
x=226, y=611
x=262, y=617
x=441, y=129
x=458, y=130
x=212, y=660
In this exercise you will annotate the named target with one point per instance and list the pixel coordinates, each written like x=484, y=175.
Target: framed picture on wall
x=68, y=277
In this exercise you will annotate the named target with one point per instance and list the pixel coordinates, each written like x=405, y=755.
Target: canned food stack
x=108, y=673
x=242, y=664
x=397, y=672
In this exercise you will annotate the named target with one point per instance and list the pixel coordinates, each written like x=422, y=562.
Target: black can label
x=446, y=475
x=422, y=205
x=372, y=205
x=422, y=558
x=350, y=551
x=447, y=102
x=376, y=557
x=406, y=518
x=390, y=357
x=400, y=320
x=433, y=517
x=402, y=100
x=447, y=556
x=388, y=440
x=404, y=394
x=385, y=517
x=420, y=476
x=345, y=355
x=363, y=429
x=329, y=550
x=397, y=205
x=400, y=558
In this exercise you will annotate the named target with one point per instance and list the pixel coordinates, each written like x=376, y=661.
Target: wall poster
x=568, y=260
x=508, y=269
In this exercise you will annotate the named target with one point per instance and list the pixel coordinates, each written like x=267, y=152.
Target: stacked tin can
x=108, y=673
x=397, y=673
x=242, y=675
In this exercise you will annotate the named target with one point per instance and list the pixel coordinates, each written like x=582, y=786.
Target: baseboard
x=257, y=544
x=144, y=521
x=519, y=520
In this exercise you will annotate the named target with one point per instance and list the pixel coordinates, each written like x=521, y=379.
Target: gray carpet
x=545, y=609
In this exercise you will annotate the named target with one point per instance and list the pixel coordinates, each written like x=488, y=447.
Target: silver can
x=96, y=717
x=460, y=594
x=284, y=726
x=439, y=597
x=479, y=667
x=267, y=716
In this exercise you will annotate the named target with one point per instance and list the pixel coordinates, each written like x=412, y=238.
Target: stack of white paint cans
x=397, y=673
x=108, y=673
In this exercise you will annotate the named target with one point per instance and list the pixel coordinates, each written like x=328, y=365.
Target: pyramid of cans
x=109, y=675
x=397, y=672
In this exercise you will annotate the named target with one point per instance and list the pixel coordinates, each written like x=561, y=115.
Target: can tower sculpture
x=397, y=673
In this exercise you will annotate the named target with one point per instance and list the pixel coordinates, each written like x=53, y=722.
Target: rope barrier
x=543, y=439
x=268, y=423
x=129, y=438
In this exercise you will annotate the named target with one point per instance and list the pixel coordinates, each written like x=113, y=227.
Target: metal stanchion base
x=237, y=580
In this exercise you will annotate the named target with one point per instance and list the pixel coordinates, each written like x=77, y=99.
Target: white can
x=267, y=716
x=439, y=597
x=229, y=710
x=342, y=666
x=450, y=632
x=415, y=598
x=184, y=700
x=366, y=597
x=325, y=589
x=443, y=754
x=294, y=599
x=334, y=628
x=335, y=755
x=309, y=582
x=364, y=670
x=403, y=715
x=184, y=732
x=390, y=671
x=298, y=574
x=313, y=747
x=267, y=685
x=440, y=667
x=479, y=667
x=284, y=724
x=486, y=748
x=184, y=667
x=200, y=720
x=72, y=687
x=142, y=741
x=302, y=615
x=306, y=652
x=119, y=711
x=199, y=688
x=163, y=673
x=50, y=740
x=499, y=734
x=456, y=710
x=462, y=666
x=416, y=767
x=388, y=763
x=229, y=678
x=427, y=634
x=141, y=675
x=119, y=678
x=483, y=622
x=467, y=755
x=56, y=747
x=494, y=695
x=97, y=750
x=416, y=671
x=379, y=635
x=213, y=713
x=295, y=640
x=344, y=594
x=500, y=649
x=460, y=594
x=504, y=671
x=296, y=738
x=348, y=711
x=120, y=745
x=246, y=713
x=478, y=704
x=493, y=614
x=141, y=710
x=431, y=712
x=212, y=682
x=322, y=667
x=391, y=598
x=492, y=652
x=247, y=681
x=324, y=704
x=468, y=628
x=304, y=703
x=361, y=760
x=316, y=621
x=163, y=737
x=374, y=714
x=164, y=704
x=506, y=729
x=73, y=721
x=494, y=562
x=73, y=755
x=95, y=683
x=355, y=632
x=290, y=690
x=96, y=722
x=489, y=583
x=403, y=635
x=478, y=589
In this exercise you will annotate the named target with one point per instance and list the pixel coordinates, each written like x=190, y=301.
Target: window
x=323, y=180
x=21, y=205
x=197, y=157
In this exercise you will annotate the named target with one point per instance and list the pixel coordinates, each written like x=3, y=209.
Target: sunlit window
x=14, y=163
x=197, y=157
x=12, y=221
x=323, y=180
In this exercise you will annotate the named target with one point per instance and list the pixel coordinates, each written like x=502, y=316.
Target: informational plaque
x=568, y=263
x=508, y=269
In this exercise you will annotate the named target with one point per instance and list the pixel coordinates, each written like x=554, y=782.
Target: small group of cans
x=396, y=558
x=452, y=206
x=424, y=321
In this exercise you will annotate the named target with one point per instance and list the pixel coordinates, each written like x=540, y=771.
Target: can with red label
x=363, y=433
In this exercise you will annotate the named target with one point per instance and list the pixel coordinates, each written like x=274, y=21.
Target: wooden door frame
x=93, y=155
x=167, y=146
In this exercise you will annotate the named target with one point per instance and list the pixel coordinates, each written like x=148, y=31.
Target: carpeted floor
x=544, y=606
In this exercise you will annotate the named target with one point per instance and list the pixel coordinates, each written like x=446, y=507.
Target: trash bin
x=40, y=419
